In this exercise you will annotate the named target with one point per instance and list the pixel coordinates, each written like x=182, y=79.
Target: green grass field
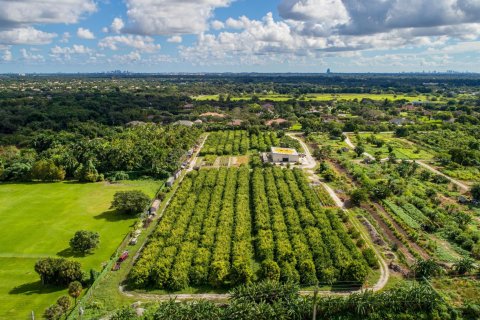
x=402, y=148
x=320, y=97
x=37, y=220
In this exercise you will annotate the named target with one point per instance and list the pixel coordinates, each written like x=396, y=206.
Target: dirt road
x=310, y=162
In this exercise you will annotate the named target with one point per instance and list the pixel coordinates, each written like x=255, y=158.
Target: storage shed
x=284, y=155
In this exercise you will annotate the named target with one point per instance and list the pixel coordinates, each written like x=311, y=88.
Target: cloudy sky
x=239, y=35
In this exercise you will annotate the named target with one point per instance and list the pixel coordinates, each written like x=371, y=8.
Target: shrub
x=270, y=270
x=358, y=196
x=46, y=170
x=371, y=258
x=130, y=202
x=58, y=270
x=64, y=303
x=84, y=241
x=54, y=312
x=356, y=271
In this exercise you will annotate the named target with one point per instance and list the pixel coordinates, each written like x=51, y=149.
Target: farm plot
x=236, y=142
x=462, y=147
x=382, y=142
x=206, y=237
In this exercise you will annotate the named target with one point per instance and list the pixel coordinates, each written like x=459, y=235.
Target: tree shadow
x=69, y=253
x=114, y=216
x=345, y=287
x=34, y=288
x=75, y=182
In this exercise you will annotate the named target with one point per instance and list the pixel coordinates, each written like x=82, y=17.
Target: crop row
x=324, y=197
x=206, y=235
x=295, y=235
x=234, y=142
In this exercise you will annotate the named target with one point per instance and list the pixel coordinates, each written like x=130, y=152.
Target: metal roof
x=286, y=151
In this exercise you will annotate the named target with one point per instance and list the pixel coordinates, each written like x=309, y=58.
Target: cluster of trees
x=158, y=265
x=91, y=152
x=58, y=310
x=272, y=300
x=84, y=241
x=205, y=236
x=298, y=240
x=411, y=196
x=23, y=112
x=58, y=271
x=459, y=144
x=227, y=142
x=239, y=142
x=130, y=202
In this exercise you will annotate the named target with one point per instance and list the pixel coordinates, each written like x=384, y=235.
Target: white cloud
x=353, y=17
x=175, y=39
x=142, y=43
x=26, y=35
x=75, y=49
x=313, y=9
x=131, y=57
x=31, y=57
x=28, y=12
x=85, y=34
x=217, y=25
x=458, y=48
x=78, y=52
x=18, y=17
x=7, y=56
x=117, y=25
x=317, y=28
x=240, y=23
x=65, y=37
x=171, y=17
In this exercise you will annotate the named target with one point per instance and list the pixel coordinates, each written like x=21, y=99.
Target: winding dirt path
x=456, y=182
x=384, y=271
x=310, y=162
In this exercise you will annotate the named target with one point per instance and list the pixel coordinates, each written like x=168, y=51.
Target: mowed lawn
x=37, y=220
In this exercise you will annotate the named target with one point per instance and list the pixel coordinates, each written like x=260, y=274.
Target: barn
x=284, y=155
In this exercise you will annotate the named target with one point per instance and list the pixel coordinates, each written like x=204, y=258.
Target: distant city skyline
x=304, y=36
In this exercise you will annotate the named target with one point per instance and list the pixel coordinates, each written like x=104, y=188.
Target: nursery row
x=206, y=237
x=236, y=142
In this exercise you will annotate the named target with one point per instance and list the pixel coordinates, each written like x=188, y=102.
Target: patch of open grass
x=457, y=291
x=402, y=148
x=38, y=220
x=320, y=97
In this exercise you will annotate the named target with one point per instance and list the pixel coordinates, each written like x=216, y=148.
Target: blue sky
x=239, y=35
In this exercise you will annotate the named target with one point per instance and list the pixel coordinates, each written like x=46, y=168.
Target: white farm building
x=284, y=155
